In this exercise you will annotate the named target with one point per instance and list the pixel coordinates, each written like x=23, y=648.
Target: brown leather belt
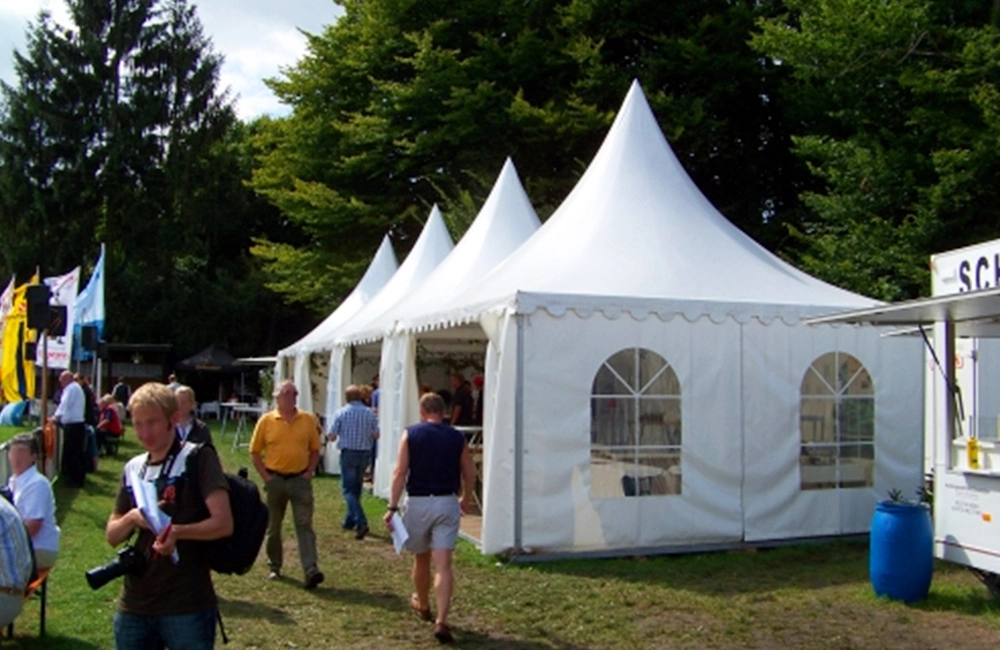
x=13, y=591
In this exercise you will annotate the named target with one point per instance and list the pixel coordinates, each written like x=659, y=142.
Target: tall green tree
x=403, y=103
x=896, y=106
x=118, y=132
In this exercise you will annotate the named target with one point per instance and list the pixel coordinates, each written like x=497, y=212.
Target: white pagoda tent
x=505, y=221
x=433, y=246
x=650, y=385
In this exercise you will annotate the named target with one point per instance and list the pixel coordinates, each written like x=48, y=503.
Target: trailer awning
x=974, y=313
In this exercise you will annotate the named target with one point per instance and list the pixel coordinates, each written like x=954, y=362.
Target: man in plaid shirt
x=355, y=428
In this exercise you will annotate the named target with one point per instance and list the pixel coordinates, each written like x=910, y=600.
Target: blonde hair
x=187, y=390
x=154, y=394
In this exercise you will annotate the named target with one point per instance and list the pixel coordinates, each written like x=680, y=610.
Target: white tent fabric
x=380, y=270
x=636, y=257
x=636, y=226
x=432, y=246
x=505, y=221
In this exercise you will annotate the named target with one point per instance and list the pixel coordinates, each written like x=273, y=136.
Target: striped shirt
x=16, y=559
x=355, y=426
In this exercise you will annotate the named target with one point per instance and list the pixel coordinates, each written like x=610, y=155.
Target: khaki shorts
x=432, y=523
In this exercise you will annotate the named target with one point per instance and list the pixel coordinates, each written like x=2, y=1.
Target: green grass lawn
x=808, y=596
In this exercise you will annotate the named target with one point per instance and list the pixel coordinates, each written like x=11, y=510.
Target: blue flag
x=90, y=310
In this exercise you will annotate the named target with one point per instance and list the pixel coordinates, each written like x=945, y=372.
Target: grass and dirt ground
x=807, y=596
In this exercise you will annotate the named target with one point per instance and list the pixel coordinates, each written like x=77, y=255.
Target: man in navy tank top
x=435, y=467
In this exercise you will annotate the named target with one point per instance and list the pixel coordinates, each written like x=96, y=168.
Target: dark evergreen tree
x=118, y=132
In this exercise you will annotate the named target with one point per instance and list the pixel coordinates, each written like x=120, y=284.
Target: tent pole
x=518, y=435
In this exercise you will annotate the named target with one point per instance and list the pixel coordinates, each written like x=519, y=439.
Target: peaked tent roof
x=379, y=272
x=431, y=247
x=505, y=221
x=635, y=232
x=211, y=359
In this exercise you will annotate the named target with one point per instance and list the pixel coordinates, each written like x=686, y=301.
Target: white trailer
x=961, y=326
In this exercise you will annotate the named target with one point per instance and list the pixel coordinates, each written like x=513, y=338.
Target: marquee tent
x=650, y=385
x=504, y=222
x=298, y=354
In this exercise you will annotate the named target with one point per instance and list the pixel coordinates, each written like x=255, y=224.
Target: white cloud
x=257, y=37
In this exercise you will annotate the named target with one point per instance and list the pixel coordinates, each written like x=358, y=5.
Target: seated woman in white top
x=33, y=498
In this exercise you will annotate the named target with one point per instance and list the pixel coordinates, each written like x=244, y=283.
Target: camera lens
x=128, y=561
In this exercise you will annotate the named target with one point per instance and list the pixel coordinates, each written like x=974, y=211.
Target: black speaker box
x=38, y=306
x=88, y=337
x=57, y=320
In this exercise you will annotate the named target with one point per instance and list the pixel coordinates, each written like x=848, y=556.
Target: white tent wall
x=399, y=395
x=740, y=455
x=776, y=357
x=319, y=370
x=500, y=412
x=302, y=376
x=338, y=374
x=558, y=512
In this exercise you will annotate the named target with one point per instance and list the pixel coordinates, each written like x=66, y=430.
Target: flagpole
x=45, y=387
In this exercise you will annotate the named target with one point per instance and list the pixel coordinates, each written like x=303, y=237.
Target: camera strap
x=168, y=465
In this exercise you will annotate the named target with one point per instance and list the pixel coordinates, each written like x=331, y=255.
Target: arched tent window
x=837, y=421
x=635, y=426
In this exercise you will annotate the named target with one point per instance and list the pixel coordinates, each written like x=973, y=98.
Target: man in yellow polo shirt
x=285, y=450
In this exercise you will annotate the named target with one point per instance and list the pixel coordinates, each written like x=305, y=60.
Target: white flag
x=64, y=289
x=6, y=301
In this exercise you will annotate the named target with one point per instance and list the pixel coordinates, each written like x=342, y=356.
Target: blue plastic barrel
x=901, y=551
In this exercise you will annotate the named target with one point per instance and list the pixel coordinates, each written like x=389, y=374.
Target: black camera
x=128, y=561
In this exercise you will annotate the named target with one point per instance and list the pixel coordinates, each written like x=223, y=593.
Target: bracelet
x=393, y=508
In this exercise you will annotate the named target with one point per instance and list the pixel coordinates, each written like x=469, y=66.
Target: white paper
x=146, y=501
x=399, y=534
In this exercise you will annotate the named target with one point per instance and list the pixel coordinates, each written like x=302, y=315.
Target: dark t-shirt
x=165, y=588
x=435, y=452
x=89, y=406
x=122, y=392
x=463, y=398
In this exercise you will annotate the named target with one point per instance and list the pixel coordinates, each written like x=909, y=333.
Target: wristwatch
x=393, y=508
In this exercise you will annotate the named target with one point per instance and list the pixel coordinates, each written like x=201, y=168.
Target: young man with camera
x=168, y=599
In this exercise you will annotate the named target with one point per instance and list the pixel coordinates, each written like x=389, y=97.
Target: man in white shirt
x=70, y=416
x=33, y=498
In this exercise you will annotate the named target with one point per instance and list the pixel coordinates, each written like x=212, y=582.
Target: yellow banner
x=16, y=372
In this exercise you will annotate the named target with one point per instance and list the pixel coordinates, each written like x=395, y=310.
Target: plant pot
x=901, y=551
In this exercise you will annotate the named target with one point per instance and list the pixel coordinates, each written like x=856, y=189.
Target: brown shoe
x=314, y=578
x=443, y=633
x=422, y=614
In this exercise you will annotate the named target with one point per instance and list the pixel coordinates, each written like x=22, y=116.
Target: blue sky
x=257, y=38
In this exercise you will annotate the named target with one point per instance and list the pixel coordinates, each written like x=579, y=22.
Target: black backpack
x=237, y=553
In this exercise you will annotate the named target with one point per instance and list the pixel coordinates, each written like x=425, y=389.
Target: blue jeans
x=180, y=632
x=353, y=463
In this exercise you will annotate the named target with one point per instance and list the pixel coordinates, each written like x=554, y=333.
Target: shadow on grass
x=477, y=640
x=970, y=603
x=388, y=601
x=722, y=573
x=252, y=610
x=48, y=642
x=103, y=482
